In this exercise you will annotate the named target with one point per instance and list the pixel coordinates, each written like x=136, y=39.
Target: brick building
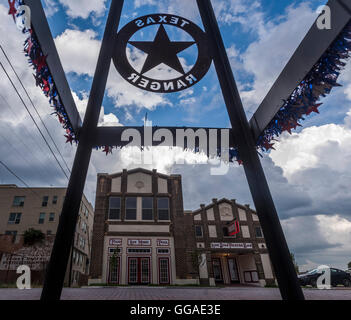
x=22, y=209
x=230, y=244
x=142, y=235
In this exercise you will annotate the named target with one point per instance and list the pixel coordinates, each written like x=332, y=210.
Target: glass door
x=233, y=270
x=164, y=271
x=217, y=270
x=133, y=270
x=139, y=270
x=145, y=270
x=114, y=272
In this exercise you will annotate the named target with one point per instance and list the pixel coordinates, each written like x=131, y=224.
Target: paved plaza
x=169, y=293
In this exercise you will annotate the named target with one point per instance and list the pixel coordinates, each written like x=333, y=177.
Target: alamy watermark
x=324, y=280
x=324, y=19
x=24, y=280
x=200, y=140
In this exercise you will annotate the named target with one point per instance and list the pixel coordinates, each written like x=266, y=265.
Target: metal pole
x=57, y=267
x=70, y=266
x=276, y=243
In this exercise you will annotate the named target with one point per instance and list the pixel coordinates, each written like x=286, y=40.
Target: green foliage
x=113, y=258
x=195, y=259
x=32, y=236
x=295, y=263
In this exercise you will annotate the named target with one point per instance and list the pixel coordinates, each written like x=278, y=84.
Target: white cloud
x=319, y=240
x=78, y=51
x=183, y=8
x=140, y=3
x=50, y=8
x=104, y=120
x=309, y=149
x=84, y=9
x=248, y=13
x=315, y=191
x=277, y=41
x=110, y=120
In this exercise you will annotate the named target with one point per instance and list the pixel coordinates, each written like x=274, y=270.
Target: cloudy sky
x=309, y=173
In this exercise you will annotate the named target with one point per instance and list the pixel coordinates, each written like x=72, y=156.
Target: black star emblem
x=162, y=50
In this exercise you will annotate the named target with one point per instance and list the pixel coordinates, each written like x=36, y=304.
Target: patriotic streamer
x=42, y=75
x=302, y=102
x=305, y=98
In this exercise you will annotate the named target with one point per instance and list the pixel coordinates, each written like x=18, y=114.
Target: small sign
x=115, y=242
x=235, y=245
x=139, y=242
x=163, y=243
x=215, y=245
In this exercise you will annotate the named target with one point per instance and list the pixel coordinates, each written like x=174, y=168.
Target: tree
x=349, y=265
x=196, y=259
x=113, y=261
x=295, y=263
x=32, y=236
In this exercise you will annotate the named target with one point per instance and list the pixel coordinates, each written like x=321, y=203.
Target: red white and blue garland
x=43, y=77
x=305, y=98
x=302, y=102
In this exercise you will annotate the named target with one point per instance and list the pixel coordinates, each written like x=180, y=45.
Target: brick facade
x=179, y=230
x=40, y=210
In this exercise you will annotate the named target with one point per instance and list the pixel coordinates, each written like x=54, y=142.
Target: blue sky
x=309, y=173
x=173, y=111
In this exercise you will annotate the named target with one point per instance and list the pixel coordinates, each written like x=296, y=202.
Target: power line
x=31, y=101
x=24, y=159
x=28, y=134
x=15, y=175
x=41, y=133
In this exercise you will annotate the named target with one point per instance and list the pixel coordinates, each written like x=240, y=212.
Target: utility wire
x=15, y=175
x=26, y=144
x=20, y=156
x=31, y=101
x=41, y=133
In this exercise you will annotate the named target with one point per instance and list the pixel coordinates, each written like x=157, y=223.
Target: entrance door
x=163, y=270
x=139, y=270
x=217, y=270
x=233, y=270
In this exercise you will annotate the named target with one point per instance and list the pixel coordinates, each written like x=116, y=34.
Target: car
x=338, y=277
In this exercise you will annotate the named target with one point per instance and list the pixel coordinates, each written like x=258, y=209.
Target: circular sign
x=162, y=51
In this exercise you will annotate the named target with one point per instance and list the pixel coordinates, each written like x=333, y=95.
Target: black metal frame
x=112, y=136
x=43, y=33
x=315, y=43
x=243, y=133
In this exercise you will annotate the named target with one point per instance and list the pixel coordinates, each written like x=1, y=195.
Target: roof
x=137, y=170
x=223, y=200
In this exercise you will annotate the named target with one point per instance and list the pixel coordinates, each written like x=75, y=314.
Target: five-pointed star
x=162, y=50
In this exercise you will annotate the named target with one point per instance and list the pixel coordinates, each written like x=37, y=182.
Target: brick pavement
x=181, y=293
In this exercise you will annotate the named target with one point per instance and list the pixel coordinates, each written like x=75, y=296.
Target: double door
x=232, y=270
x=138, y=270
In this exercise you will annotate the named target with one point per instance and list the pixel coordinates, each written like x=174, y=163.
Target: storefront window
x=115, y=208
x=163, y=208
x=147, y=210
x=131, y=208
x=198, y=231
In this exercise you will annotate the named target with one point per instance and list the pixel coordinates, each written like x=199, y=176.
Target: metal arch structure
x=315, y=43
x=243, y=134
